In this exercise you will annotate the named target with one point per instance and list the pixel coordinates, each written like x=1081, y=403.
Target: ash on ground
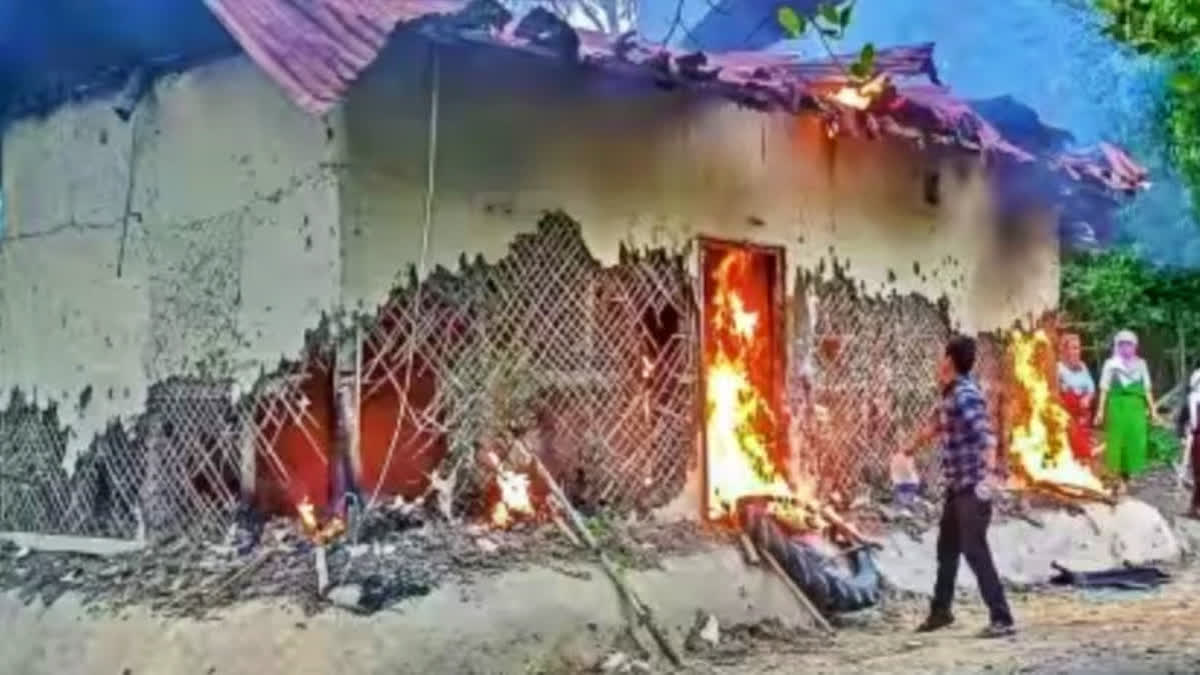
x=393, y=557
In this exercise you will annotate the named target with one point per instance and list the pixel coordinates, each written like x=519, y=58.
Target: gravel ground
x=1060, y=632
x=395, y=557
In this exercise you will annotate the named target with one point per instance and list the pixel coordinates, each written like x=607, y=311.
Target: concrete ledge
x=55, y=543
x=516, y=622
x=1102, y=538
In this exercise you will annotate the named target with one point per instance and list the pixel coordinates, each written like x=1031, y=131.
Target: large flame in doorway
x=739, y=421
x=1039, y=443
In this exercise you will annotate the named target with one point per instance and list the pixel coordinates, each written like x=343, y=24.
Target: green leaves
x=1168, y=29
x=1115, y=290
x=864, y=67
x=1163, y=447
x=830, y=22
x=1162, y=27
x=830, y=14
x=792, y=23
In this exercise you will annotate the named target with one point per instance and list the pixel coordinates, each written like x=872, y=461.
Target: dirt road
x=1060, y=632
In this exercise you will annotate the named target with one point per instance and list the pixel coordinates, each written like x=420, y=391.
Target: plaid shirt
x=966, y=434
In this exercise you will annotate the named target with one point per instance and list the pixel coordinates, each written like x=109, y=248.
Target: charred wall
x=144, y=253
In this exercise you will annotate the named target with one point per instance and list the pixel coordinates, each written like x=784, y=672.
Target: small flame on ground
x=514, y=495
x=308, y=517
x=312, y=527
x=1039, y=443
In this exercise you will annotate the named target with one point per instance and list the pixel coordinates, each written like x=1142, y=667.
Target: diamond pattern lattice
x=593, y=367
x=863, y=378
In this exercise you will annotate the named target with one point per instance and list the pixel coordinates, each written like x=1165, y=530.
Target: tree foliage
x=1116, y=290
x=1168, y=29
x=829, y=23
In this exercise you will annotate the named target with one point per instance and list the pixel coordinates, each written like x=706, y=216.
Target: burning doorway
x=742, y=373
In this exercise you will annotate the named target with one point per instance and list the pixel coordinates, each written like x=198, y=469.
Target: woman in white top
x=1126, y=408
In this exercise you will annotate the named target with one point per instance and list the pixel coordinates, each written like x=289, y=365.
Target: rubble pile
x=384, y=559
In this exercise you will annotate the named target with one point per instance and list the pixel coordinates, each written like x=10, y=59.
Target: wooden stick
x=1073, y=492
x=801, y=596
x=749, y=552
x=643, y=612
x=566, y=531
x=848, y=529
x=322, y=570
x=225, y=583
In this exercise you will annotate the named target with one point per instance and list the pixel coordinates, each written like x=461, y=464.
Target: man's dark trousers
x=963, y=531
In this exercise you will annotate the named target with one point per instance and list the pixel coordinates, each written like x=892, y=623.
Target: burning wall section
x=546, y=351
x=861, y=378
x=460, y=378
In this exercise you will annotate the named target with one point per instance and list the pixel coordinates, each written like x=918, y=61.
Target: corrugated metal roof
x=315, y=49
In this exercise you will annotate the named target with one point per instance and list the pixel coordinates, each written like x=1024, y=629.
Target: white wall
x=642, y=167
x=231, y=250
x=251, y=219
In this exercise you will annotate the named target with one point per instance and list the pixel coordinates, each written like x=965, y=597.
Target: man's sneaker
x=935, y=622
x=998, y=630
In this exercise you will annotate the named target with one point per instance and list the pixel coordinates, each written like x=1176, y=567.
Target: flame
x=851, y=97
x=514, y=494
x=738, y=418
x=308, y=517
x=312, y=527
x=1039, y=444
x=861, y=97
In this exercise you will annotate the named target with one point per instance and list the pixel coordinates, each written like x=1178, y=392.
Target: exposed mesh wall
x=178, y=471
x=591, y=367
x=34, y=491
x=862, y=378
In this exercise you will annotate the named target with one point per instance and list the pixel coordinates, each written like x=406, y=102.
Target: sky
x=1048, y=54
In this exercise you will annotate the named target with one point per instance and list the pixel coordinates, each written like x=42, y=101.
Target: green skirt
x=1126, y=429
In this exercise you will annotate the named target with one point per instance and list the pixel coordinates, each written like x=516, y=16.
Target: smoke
x=61, y=44
x=1076, y=86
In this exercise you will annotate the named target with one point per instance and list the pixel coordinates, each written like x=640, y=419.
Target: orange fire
x=514, y=499
x=312, y=527
x=738, y=420
x=1039, y=444
x=862, y=96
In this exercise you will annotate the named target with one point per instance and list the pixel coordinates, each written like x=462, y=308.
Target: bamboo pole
x=801, y=596
x=641, y=610
x=848, y=529
x=749, y=551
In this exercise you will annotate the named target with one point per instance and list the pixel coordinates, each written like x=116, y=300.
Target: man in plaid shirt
x=968, y=448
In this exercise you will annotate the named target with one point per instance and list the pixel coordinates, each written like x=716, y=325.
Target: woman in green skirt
x=1125, y=410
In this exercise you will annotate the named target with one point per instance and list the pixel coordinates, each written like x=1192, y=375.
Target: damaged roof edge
x=316, y=49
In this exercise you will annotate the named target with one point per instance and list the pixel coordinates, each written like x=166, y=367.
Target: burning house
x=482, y=242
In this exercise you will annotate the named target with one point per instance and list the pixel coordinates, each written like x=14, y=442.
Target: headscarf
x=1125, y=336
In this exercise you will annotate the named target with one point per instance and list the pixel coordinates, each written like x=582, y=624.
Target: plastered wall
x=236, y=221
x=641, y=167
x=201, y=237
